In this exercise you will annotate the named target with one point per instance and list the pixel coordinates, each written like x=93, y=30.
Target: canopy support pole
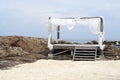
x=101, y=32
x=50, y=35
x=58, y=33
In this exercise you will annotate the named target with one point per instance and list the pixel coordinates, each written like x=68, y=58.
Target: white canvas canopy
x=95, y=25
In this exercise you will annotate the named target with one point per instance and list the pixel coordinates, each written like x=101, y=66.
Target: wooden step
x=85, y=51
x=85, y=54
x=84, y=59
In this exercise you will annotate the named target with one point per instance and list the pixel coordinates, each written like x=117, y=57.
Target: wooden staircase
x=84, y=53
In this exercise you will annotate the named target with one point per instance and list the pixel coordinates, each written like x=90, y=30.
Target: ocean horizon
x=79, y=40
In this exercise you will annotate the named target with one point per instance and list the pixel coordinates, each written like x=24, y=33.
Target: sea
x=118, y=46
x=79, y=40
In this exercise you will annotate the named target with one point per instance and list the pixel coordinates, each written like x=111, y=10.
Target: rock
x=7, y=64
x=15, y=51
x=29, y=44
x=3, y=51
x=21, y=50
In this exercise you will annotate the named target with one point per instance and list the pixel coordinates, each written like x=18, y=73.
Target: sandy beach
x=64, y=70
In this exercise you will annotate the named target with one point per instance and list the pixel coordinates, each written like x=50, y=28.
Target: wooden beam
x=50, y=32
x=101, y=24
x=58, y=33
x=101, y=21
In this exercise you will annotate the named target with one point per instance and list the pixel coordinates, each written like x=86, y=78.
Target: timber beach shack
x=77, y=51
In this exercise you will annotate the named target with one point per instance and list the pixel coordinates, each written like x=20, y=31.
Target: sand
x=64, y=70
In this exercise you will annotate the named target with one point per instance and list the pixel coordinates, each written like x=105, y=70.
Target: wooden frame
x=58, y=30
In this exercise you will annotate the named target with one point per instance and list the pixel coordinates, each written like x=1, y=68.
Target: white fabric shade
x=92, y=23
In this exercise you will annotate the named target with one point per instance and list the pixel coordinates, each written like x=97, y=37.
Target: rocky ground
x=17, y=49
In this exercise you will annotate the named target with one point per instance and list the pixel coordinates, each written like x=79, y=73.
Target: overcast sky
x=29, y=17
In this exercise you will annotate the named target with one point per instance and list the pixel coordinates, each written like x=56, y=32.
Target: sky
x=30, y=17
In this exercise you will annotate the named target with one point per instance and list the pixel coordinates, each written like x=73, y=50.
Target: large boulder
x=19, y=49
x=19, y=45
x=29, y=44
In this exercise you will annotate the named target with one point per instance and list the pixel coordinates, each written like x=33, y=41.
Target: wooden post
x=50, y=32
x=101, y=31
x=58, y=33
x=101, y=24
